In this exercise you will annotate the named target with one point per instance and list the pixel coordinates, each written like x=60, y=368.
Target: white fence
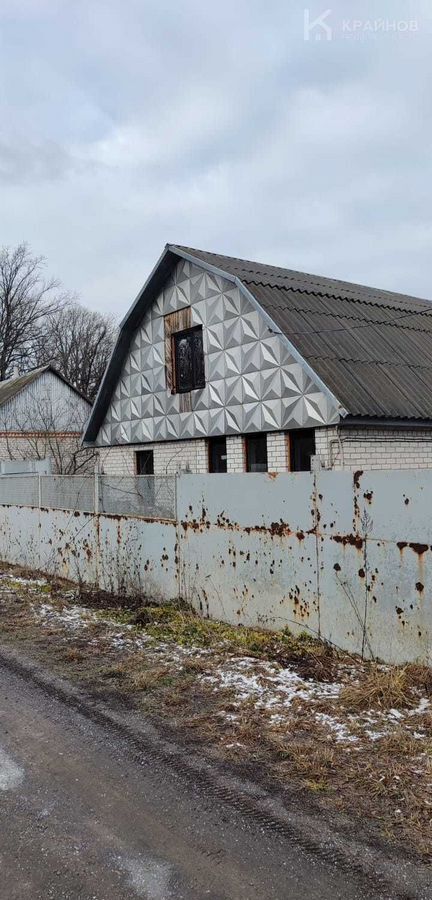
x=150, y=496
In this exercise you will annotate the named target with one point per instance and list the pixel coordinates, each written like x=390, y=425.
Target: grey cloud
x=129, y=124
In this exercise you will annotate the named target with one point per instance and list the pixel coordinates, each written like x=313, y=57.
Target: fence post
x=40, y=490
x=96, y=493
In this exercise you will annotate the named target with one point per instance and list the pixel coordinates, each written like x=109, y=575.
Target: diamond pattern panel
x=253, y=382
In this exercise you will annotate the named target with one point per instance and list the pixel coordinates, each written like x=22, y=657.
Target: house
x=228, y=365
x=42, y=418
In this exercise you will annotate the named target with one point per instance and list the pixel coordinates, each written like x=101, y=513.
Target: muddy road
x=86, y=816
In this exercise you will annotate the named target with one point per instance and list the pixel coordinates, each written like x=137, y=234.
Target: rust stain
x=417, y=548
x=353, y=540
x=356, y=477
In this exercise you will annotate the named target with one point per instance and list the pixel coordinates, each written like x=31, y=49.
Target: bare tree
x=45, y=425
x=78, y=342
x=26, y=300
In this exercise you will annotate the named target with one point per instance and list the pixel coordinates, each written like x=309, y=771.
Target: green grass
x=177, y=623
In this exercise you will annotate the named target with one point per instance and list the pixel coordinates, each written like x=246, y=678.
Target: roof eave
x=385, y=422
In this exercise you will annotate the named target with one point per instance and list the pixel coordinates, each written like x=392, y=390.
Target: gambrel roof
x=371, y=349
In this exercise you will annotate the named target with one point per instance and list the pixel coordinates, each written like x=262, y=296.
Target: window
x=189, y=360
x=302, y=447
x=256, y=452
x=144, y=462
x=217, y=454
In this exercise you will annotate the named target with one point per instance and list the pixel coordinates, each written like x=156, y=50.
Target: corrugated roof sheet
x=372, y=348
x=12, y=386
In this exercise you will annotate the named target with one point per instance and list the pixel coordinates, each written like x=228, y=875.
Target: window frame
x=211, y=442
x=295, y=450
x=250, y=437
x=141, y=453
x=175, y=338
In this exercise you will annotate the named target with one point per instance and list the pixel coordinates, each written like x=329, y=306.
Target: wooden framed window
x=302, y=447
x=256, y=453
x=189, y=360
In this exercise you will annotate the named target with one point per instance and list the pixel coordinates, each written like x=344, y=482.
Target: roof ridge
x=286, y=273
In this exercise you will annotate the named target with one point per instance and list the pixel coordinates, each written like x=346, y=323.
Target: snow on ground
x=11, y=581
x=78, y=618
x=277, y=691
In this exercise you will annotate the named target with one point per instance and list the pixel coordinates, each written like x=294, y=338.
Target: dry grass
x=382, y=688
x=136, y=676
x=73, y=655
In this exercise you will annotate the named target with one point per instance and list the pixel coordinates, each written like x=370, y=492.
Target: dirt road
x=85, y=816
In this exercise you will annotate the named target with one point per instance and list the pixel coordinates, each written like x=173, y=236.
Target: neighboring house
x=42, y=418
x=228, y=365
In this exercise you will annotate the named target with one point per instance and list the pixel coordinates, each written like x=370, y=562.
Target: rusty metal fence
x=148, y=496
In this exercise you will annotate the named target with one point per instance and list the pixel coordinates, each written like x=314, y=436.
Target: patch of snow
x=267, y=685
x=340, y=730
x=15, y=579
x=422, y=707
x=376, y=735
x=74, y=617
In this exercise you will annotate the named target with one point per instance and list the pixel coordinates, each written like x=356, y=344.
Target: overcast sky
x=126, y=124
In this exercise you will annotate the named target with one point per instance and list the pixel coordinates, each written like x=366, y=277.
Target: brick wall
x=236, y=457
x=278, y=451
x=374, y=448
x=169, y=458
x=176, y=456
x=343, y=448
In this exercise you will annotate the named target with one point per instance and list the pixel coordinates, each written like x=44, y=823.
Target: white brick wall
x=278, y=451
x=173, y=456
x=169, y=457
x=343, y=448
x=374, y=448
x=236, y=457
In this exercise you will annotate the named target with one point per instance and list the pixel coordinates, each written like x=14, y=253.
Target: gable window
x=189, y=360
x=256, y=453
x=302, y=447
